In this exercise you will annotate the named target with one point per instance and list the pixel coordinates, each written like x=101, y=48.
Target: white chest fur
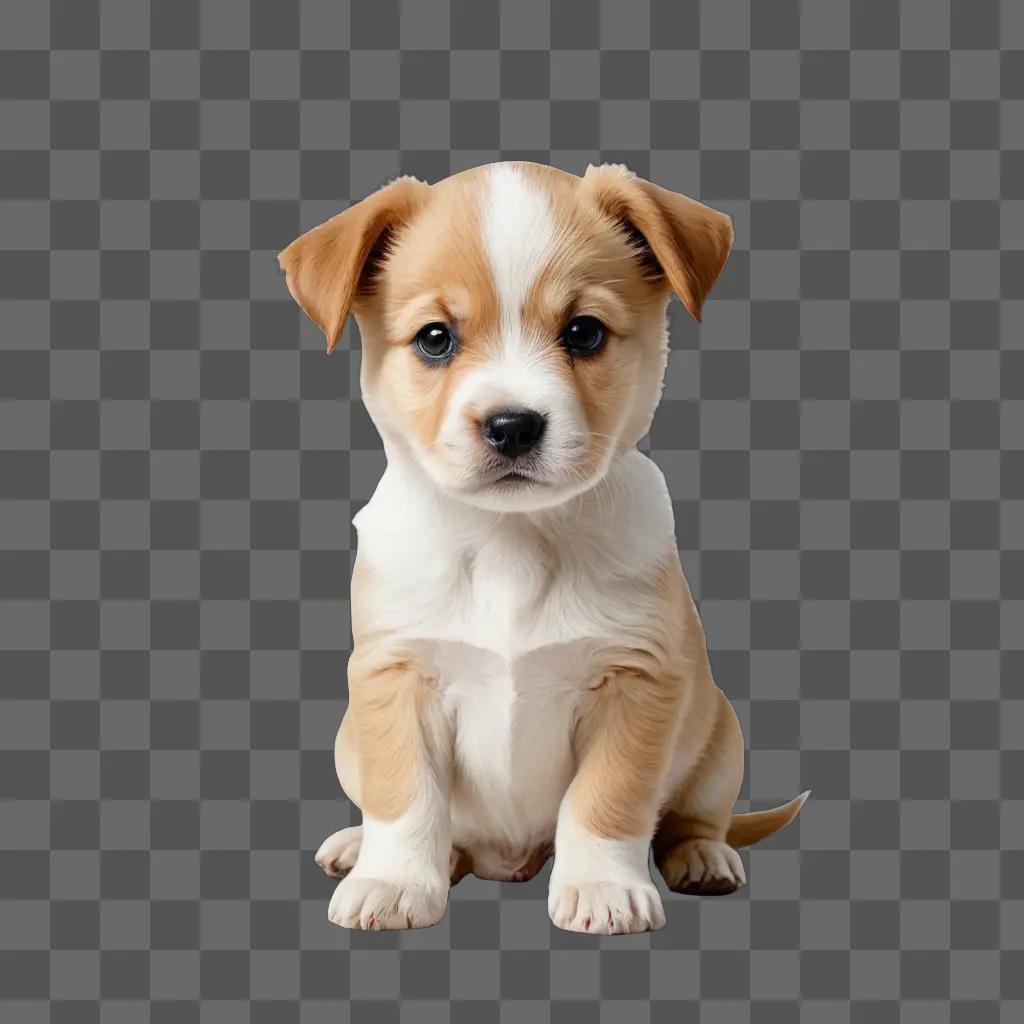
x=511, y=614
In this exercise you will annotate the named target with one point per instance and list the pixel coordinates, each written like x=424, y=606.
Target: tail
x=747, y=829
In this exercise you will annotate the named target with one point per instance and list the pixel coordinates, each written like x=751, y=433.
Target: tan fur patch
x=690, y=241
x=346, y=760
x=323, y=268
x=386, y=728
x=439, y=273
x=387, y=701
x=626, y=746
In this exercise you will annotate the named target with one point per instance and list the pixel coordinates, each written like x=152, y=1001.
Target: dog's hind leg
x=695, y=844
x=691, y=846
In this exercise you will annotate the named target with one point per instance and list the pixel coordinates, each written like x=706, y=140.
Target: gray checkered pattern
x=843, y=439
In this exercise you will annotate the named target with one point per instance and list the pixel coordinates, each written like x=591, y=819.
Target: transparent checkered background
x=843, y=440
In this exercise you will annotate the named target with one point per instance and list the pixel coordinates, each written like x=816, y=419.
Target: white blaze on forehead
x=521, y=369
x=518, y=230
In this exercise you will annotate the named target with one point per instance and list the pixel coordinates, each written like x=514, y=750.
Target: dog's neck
x=418, y=539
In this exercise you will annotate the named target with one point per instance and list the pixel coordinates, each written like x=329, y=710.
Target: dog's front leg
x=601, y=881
x=403, y=743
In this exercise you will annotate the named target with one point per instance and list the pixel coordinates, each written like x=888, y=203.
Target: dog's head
x=512, y=317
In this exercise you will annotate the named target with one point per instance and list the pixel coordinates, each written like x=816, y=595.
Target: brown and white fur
x=529, y=673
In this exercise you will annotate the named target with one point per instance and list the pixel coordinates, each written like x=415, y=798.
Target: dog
x=529, y=675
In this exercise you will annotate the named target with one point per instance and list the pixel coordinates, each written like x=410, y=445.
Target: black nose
x=513, y=433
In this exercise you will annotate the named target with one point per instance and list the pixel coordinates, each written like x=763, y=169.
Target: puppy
x=529, y=674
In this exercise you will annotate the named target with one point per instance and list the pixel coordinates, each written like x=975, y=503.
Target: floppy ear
x=689, y=241
x=325, y=268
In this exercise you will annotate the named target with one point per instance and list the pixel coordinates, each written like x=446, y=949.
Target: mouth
x=510, y=479
x=516, y=479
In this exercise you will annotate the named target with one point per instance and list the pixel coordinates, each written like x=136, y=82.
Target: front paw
x=606, y=908
x=376, y=904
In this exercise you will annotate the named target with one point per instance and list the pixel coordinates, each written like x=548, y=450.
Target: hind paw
x=337, y=853
x=703, y=867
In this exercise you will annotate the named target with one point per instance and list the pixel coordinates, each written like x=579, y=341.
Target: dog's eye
x=435, y=342
x=584, y=335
